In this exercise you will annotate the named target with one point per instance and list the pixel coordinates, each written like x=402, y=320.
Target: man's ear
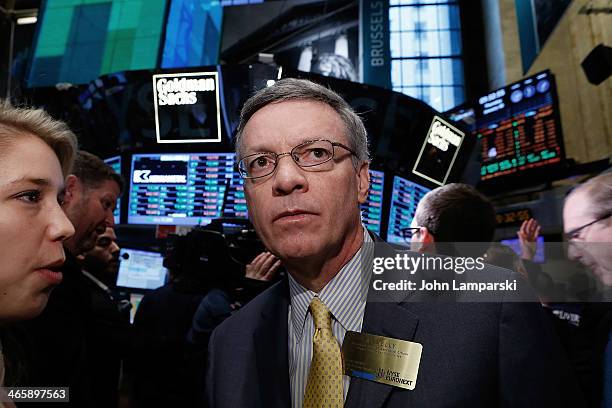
x=428, y=238
x=363, y=175
x=72, y=189
x=428, y=243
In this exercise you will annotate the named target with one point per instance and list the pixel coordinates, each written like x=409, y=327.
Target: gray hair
x=599, y=192
x=16, y=122
x=290, y=89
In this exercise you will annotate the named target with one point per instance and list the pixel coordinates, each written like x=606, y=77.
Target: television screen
x=180, y=188
x=515, y=245
x=187, y=107
x=312, y=36
x=405, y=197
x=115, y=163
x=79, y=40
x=518, y=127
x=371, y=210
x=439, y=151
x=141, y=269
x=193, y=30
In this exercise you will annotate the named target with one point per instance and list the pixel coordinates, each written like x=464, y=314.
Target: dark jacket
x=158, y=366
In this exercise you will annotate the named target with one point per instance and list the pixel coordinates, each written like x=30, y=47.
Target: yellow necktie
x=324, y=386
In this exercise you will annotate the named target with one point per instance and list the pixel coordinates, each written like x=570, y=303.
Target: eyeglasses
x=409, y=232
x=575, y=233
x=308, y=154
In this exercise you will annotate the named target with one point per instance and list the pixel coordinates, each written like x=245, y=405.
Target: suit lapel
x=272, y=352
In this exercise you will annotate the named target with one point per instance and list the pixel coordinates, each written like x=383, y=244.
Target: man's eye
x=319, y=153
x=260, y=162
x=104, y=242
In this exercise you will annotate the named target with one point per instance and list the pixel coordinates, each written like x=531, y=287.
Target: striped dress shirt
x=345, y=297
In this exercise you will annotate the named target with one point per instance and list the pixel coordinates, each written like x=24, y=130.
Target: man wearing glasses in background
x=302, y=152
x=587, y=221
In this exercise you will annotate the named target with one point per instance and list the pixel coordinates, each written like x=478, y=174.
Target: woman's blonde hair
x=16, y=122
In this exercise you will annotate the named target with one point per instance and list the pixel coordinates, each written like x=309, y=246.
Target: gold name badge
x=381, y=359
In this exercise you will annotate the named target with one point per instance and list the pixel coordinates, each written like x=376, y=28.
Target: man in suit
x=284, y=348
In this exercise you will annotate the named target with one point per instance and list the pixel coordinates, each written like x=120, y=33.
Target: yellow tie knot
x=320, y=314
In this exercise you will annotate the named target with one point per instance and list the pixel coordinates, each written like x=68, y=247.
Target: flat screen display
x=405, y=197
x=181, y=188
x=115, y=163
x=141, y=269
x=518, y=127
x=187, y=107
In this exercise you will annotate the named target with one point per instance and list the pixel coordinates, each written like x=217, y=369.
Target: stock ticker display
x=115, y=163
x=371, y=210
x=184, y=189
x=405, y=197
x=518, y=127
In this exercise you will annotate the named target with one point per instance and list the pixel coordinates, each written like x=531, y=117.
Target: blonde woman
x=36, y=153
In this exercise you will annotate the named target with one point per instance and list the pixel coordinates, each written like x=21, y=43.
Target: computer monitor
x=141, y=269
x=179, y=188
x=515, y=245
x=405, y=197
x=518, y=128
x=371, y=210
x=115, y=163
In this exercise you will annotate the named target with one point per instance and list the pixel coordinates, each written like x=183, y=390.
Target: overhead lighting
x=26, y=20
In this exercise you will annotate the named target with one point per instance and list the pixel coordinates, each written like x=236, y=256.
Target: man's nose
x=110, y=219
x=288, y=177
x=574, y=252
x=114, y=249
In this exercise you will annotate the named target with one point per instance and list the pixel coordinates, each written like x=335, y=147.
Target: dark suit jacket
x=161, y=376
x=474, y=355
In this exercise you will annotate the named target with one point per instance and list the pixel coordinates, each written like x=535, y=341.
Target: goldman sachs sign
x=187, y=107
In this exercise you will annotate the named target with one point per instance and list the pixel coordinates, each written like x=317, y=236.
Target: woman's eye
x=32, y=196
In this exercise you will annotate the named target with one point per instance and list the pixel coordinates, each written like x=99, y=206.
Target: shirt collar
x=343, y=295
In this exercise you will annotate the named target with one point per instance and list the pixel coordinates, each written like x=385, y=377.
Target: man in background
x=454, y=213
x=587, y=222
x=110, y=335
